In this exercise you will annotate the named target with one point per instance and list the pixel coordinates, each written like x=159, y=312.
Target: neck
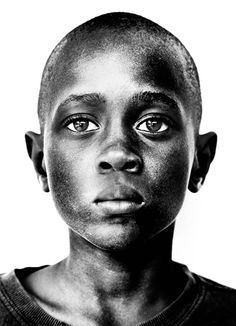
x=120, y=273
x=125, y=287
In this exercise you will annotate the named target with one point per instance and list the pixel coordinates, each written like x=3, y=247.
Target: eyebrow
x=150, y=98
x=91, y=99
x=145, y=98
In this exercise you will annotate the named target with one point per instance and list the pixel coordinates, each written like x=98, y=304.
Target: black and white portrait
x=117, y=161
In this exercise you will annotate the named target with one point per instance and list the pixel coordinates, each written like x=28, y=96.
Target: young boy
x=119, y=110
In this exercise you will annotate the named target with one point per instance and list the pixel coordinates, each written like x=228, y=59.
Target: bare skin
x=118, y=164
x=100, y=289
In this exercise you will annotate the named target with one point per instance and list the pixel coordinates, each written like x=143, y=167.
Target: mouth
x=119, y=200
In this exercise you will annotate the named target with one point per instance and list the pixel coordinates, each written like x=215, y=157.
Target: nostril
x=105, y=166
x=131, y=165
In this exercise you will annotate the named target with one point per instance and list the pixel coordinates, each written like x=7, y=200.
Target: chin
x=115, y=237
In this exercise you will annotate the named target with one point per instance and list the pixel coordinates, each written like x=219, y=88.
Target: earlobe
x=34, y=144
x=204, y=155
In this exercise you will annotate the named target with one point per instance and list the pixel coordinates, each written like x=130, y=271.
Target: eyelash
x=91, y=120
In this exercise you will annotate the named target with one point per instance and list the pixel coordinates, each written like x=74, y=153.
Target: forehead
x=105, y=71
x=120, y=69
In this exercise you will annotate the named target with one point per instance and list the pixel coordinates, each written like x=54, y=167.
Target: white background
x=31, y=233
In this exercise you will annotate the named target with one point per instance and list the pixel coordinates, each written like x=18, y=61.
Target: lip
x=119, y=200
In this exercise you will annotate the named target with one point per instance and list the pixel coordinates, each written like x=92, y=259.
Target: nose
x=118, y=158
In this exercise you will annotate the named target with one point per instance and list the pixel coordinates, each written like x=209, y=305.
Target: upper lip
x=119, y=193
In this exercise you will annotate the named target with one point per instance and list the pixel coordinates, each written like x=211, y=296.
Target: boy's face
x=118, y=150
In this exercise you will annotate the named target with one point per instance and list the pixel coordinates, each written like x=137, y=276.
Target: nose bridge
x=116, y=132
x=118, y=136
x=118, y=152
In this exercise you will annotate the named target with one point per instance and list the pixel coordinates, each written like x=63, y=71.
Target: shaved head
x=119, y=111
x=148, y=44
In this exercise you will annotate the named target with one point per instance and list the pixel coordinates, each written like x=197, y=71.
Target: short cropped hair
x=117, y=30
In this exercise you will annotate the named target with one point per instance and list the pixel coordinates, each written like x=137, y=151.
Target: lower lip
x=116, y=207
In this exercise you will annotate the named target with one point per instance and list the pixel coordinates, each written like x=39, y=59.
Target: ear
x=204, y=155
x=34, y=144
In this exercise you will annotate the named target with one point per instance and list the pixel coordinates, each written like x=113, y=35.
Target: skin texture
x=74, y=158
x=118, y=183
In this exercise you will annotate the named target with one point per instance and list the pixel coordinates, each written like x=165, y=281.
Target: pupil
x=81, y=125
x=153, y=125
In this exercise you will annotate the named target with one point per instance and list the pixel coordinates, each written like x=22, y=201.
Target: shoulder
x=219, y=295
x=16, y=305
x=8, y=310
x=218, y=304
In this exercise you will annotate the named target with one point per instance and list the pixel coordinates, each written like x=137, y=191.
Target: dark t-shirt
x=202, y=303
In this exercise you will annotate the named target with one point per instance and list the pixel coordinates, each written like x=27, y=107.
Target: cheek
x=172, y=170
x=168, y=174
x=68, y=181
x=170, y=162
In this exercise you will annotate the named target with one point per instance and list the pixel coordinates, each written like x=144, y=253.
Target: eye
x=82, y=125
x=153, y=125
